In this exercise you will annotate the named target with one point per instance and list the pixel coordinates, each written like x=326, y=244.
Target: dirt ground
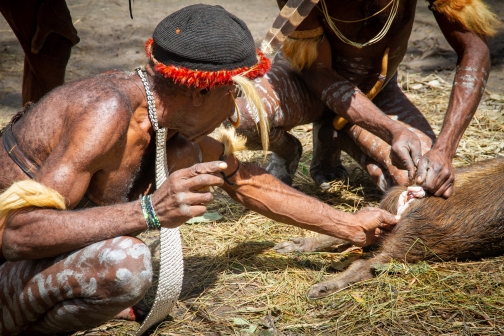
x=235, y=284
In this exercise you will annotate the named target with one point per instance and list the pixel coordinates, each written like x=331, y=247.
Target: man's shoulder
x=106, y=95
x=89, y=108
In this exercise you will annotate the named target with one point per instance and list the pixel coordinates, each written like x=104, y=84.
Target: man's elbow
x=13, y=248
x=477, y=50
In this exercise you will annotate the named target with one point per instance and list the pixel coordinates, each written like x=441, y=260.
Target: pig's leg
x=359, y=270
x=307, y=244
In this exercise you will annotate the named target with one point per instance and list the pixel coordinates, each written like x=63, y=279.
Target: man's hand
x=435, y=174
x=180, y=199
x=370, y=224
x=406, y=151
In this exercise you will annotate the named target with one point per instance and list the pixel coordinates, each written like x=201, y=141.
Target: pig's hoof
x=323, y=289
x=299, y=244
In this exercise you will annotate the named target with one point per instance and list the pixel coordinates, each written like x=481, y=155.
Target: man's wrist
x=149, y=214
x=445, y=149
x=342, y=227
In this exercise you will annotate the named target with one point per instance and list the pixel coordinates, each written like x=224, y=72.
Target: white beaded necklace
x=171, y=264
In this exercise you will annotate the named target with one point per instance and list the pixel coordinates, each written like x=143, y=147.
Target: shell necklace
x=171, y=264
x=378, y=37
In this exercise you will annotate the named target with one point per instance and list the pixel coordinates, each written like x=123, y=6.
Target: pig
x=467, y=226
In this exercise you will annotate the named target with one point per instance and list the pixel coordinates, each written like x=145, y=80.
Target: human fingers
x=439, y=179
x=199, y=176
x=191, y=198
x=448, y=192
x=416, y=156
x=378, y=234
x=382, y=218
x=176, y=216
x=205, y=175
x=401, y=157
x=421, y=172
x=206, y=168
x=197, y=210
x=388, y=220
x=446, y=189
x=186, y=212
x=201, y=183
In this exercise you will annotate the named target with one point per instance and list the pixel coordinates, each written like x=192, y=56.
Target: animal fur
x=28, y=193
x=473, y=15
x=232, y=142
x=253, y=99
x=301, y=52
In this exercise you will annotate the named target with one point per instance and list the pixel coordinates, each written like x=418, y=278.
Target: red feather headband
x=207, y=79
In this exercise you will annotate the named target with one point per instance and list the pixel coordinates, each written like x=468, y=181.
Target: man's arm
x=263, y=193
x=81, y=150
x=95, y=142
x=435, y=171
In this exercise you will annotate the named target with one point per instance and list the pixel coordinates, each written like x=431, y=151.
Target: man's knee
x=125, y=271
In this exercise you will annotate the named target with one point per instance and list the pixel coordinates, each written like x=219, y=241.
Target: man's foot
x=278, y=167
x=322, y=176
x=131, y=314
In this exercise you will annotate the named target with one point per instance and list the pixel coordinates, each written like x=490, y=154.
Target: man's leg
x=326, y=163
x=45, y=69
x=75, y=291
x=288, y=103
x=372, y=153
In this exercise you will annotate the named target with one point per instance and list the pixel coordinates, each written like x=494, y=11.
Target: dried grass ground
x=236, y=284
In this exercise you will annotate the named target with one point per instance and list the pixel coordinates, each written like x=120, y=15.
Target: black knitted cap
x=204, y=37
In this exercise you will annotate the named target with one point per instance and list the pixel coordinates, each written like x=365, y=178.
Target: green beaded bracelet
x=150, y=216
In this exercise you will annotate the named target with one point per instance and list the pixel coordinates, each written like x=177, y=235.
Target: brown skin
x=433, y=170
x=83, y=148
x=261, y=192
x=104, y=167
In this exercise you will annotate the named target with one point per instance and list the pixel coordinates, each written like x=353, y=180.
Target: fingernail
x=397, y=217
x=223, y=165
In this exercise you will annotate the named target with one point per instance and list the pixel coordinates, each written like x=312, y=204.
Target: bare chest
x=359, y=33
x=126, y=177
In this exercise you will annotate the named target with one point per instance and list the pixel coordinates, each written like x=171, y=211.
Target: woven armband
x=150, y=216
x=307, y=34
